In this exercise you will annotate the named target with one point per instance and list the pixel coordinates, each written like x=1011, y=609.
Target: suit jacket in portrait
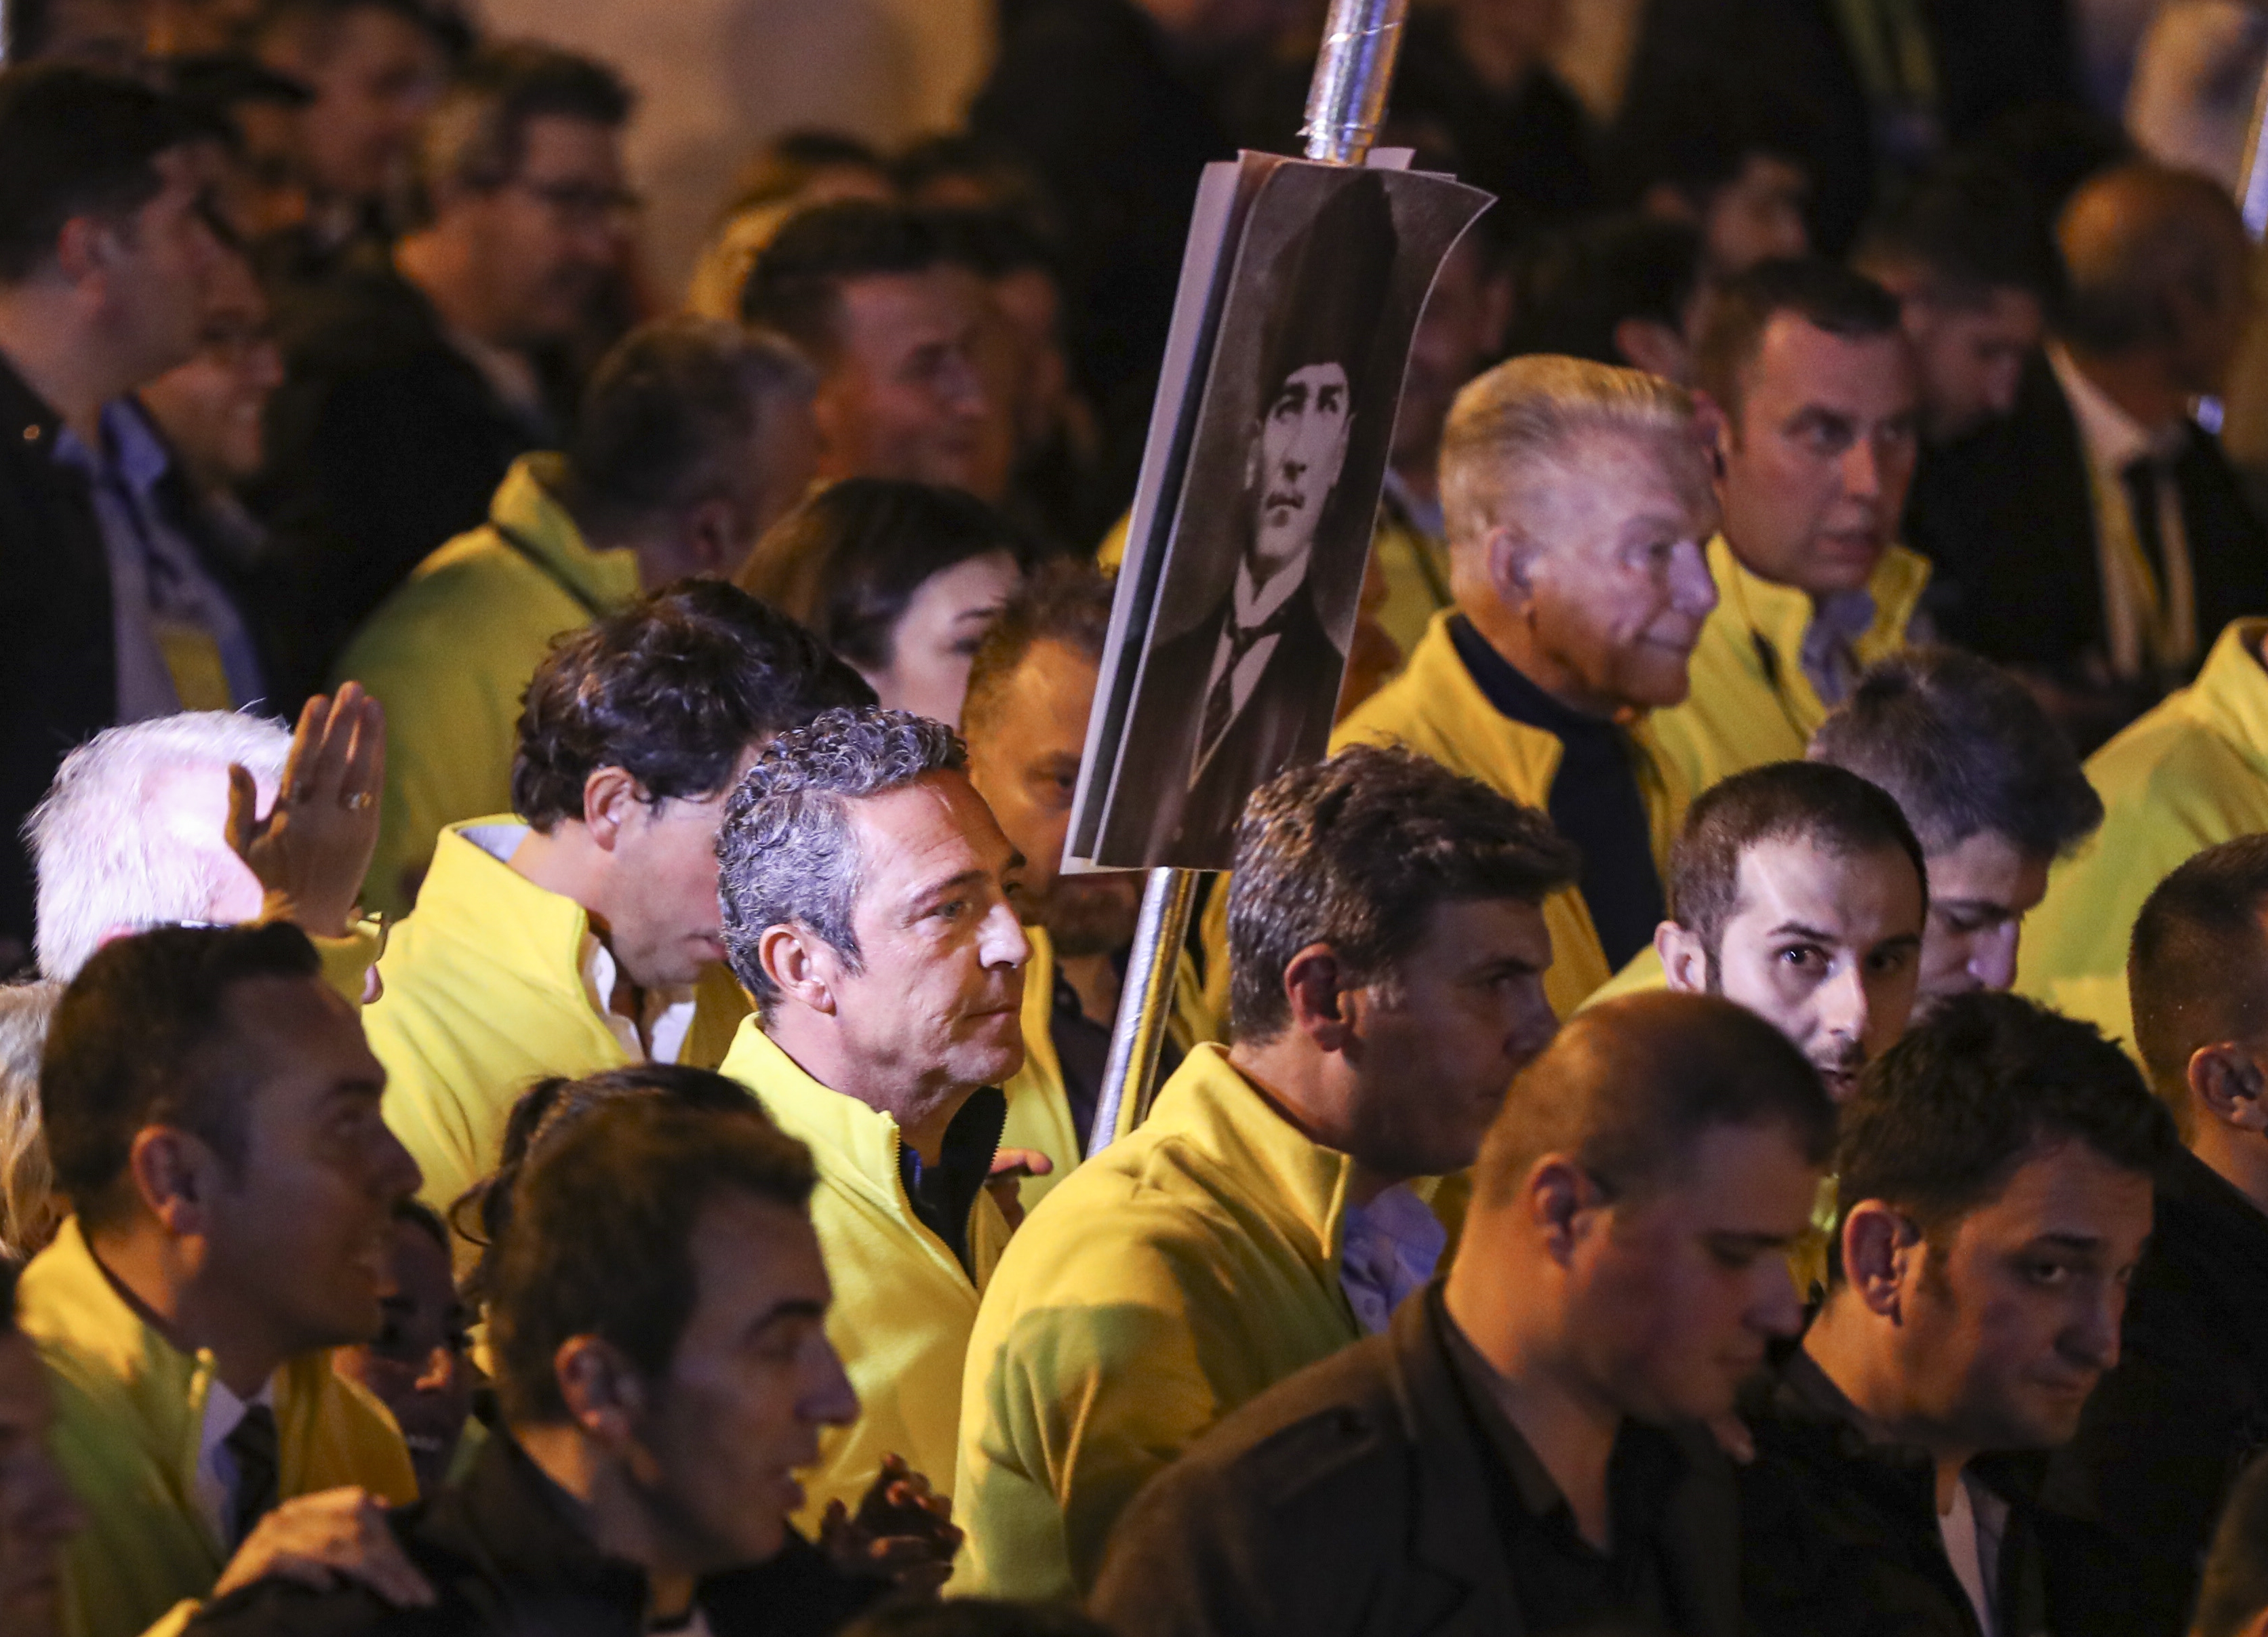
x=1286, y=721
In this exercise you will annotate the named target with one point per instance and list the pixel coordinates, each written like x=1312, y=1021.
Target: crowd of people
x=553, y=1076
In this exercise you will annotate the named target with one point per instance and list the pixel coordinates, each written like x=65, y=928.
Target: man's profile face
x=1303, y=439
x=1971, y=356
x=1817, y=461
x=213, y=408
x=1023, y=758
x=906, y=394
x=1979, y=894
x=1824, y=946
x=752, y=1381
x=420, y=1364
x=550, y=238
x=2007, y=1326
x=940, y=986
x=1619, y=586
x=39, y=1514
x=1464, y=1013
x=160, y=261
x=302, y=1232
x=668, y=924
x=1678, y=1293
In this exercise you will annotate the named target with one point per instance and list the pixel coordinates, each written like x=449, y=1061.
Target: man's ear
x=1684, y=958
x=1878, y=1244
x=1315, y=983
x=611, y=796
x=604, y=1393
x=716, y=538
x=2226, y=1085
x=1557, y=1193
x=177, y=1175
x=83, y=248
x=801, y=965
x=1511, y=557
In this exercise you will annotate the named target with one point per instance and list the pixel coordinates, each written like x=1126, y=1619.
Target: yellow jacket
x=902, y=1307
x=450, y=653
x=1751, y=702
x=2188, y=775
x=483, y=995
x=1435, y=708
x=130, y=1415
x=1182, y=1272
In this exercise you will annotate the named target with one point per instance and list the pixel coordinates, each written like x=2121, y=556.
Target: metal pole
x=1144, y=1012
x=1346, y=103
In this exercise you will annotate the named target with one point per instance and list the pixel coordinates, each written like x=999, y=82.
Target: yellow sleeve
x=347, y=961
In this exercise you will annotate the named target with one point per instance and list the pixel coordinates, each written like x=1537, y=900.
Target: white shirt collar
x=2114, y=440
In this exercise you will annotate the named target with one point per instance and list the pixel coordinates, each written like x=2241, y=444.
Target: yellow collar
x=527, y=512
x=472, y=897
x=1211, y=1111
x=1506, y=755
x=856, y=1146
x=1782, y=614
x=2231, y=692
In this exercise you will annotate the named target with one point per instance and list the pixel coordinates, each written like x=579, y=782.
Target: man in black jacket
x=2096, y=538
x=1995, y=1180
x=1519, y=1453
x=662, y=1365
x=104, y=249
x=2169, y=1430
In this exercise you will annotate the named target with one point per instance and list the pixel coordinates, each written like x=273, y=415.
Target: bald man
x=2097, y=537
x=1623, y=1269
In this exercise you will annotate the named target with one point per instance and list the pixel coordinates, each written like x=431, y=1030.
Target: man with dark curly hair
x=569, y=935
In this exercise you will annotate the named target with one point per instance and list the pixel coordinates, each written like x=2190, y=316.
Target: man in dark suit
x=1248, y=689
x=2096, y=538
x=1519, y=1453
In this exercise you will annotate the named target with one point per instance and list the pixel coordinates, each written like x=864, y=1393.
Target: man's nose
x=2092, y=1338
x=1692, y=588
x=1005, y=944
x=1862, y=470
x=1845, y=1005
x=1993, y=961
x=440, y=1363
x=1778, y=1309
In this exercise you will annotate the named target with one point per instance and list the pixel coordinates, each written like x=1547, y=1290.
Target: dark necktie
x=2141, y=478
x=251, y=1446
x=1220, y=703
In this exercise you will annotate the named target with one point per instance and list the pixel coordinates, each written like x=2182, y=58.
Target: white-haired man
x=213, y=817
x=1578, y=499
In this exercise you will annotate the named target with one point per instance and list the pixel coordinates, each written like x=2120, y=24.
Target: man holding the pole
x=1387, y=950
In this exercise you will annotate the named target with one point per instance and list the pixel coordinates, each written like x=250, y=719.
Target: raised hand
x=312, y=850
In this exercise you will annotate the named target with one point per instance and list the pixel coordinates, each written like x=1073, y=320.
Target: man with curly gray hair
x=867, y=893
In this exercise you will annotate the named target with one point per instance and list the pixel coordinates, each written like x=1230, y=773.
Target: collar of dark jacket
x=1807, y=1415
x=1451, y=1530
x=26, y=418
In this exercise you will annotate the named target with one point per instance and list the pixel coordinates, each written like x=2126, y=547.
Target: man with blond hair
x=1577, y=500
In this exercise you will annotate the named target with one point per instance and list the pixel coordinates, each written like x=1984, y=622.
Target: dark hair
x=1066, y=601
x=555, y=1106
x=1965, y=750
x=1824, y=294
x=426, y=1220
x=443, y=22
x=1577, y=288
x=669, y=415
x=796, y=286
x=477, y=139
x=997, y=173
x=141, y=1039
x=848, y=562
x=1628, y=1088
x=673, y=690
x=2193, y=970
x=1695, y=139
x=79, y=142
x=601, y=1240
x=1972, y=228
x=2234, y=1589
x=1336, y=274
x=1355, y=852
x=975, y=1617
x=785, y=853
x=1782, y=801
x=787, y=165
x=1978, y=1085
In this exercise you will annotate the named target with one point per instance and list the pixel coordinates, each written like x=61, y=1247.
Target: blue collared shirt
x=1391, y=1246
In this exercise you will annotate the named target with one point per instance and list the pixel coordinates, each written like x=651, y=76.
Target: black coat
x=1840, y=1533
x=1992, y=57
x=2169, y=1430
x=505, y=1561
x=1352, y=1500
x=58, y=657
x=384, y=442
x=1286, y=720
x=2007, y=517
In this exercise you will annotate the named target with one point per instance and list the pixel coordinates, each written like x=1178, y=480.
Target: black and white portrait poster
x=1232, y=624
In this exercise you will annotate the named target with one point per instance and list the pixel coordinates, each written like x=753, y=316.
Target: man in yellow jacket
x=1578, y=499
x=693, y=435
x=1388, y=949
x=1817, y=399
x=582, y=934
x=2191, y=774
x=866, y=906
x=212, y=1112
